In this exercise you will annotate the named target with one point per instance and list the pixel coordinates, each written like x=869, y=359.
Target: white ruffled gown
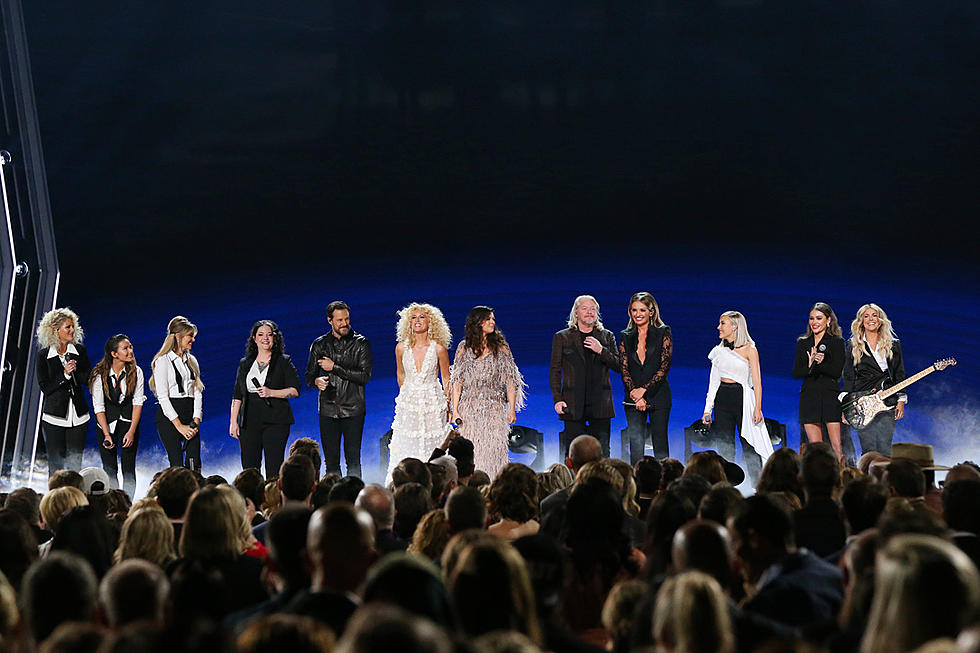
x=420, y=410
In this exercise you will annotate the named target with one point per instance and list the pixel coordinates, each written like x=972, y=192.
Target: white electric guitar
x=861, y=407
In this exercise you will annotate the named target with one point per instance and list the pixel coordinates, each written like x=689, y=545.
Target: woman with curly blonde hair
x=63, y=367
x=422, y=404
x=875, y=362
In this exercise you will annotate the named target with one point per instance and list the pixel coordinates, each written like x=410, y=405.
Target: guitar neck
x=898, y=387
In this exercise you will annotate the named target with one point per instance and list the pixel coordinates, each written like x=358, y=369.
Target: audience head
x=514, y=493
x=379, y=504
x=297, y=478
x=438, y=475
x=669, y=511
x=465, y=509
x=863, y=500
x=867, y=459
x=58, y=588
x=625, y=471
x=706, y=465
x=492, y=591
x=719, y=503
x=321, y=493
x=905, y=479
x=86, y=532
x=693, y=486
x=601, y=470
x=691, y=615
x=411, y=470
x=900, y=518
x=74, y=637
x=961, y=505
x=235, y=504
x=706, y=547
x=671, y=470
x=273, y=497
x=925, y=588
x=461, y=449
x=412, y=501
x=648, y=471
x=146, y=534
x=619, y=611
x=215, y=479
x=820, y=470
x=956, y=473
x=134, y=590
x=59, y=501
x=26, y=503
x=479, y=479
x=583, y=449
x=286, y=632
x=174, y=489
x=415, y=585
x=431, y=535
x=762, y=533
x=286, y=539
x=340, y=545
x=549, y=482
x=781, y=473
x=346, y=489
x=384, y=628
x=596, y=536
x=311, y=449
x=65, y=478
x=251, y=485
x=450, y=475
x=212, y=530
x=18, y=546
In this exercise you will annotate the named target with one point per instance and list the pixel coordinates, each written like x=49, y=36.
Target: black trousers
x=180, y=451
x=638, y=422
x=128, y=455
x=64, y=445
x=728, y=417
x=596, y=427
x=332, y=429
x=258, y=437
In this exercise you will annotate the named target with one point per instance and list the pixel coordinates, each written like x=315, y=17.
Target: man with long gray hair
x=581, y=357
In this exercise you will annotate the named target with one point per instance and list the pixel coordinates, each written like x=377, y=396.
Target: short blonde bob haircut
x=742, y=336
x=59, y=501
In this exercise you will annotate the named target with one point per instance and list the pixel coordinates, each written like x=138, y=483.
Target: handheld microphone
x=107, y=442
x=255, y=382
x=821, y=349
x=459, y=421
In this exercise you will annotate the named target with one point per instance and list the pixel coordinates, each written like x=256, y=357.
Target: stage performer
x=645, y=352
x=581, y=357
x=63, y=367
x=875, y=356
x=735, y=395
x=260, y=411
x=176, y=382
x=339, y=367
x=819, y=361
x=487, y=390
x=117, y=391
x=421, y=407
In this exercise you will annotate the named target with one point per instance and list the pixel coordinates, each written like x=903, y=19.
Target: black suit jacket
x=806, y=590
x=866, y=375
x=568, y=372
x=282, y=374
x=55, y=387
x=819, y=527
x=822, y=376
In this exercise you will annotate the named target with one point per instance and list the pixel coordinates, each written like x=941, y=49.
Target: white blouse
x=98, y=394
x=165, y=382
x=255, y=373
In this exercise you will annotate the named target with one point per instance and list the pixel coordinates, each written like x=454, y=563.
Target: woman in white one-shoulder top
x=735, y=394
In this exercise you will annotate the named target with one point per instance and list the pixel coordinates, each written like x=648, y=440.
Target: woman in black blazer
x=63, y=367
x=819, y=361
x=260, y=412
x=646, y=348
x=874, y=361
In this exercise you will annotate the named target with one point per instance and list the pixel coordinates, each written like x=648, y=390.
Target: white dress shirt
x=72, y=418
x=98, y=394
x=165, y=382
x=882, y=361
x=255, y=373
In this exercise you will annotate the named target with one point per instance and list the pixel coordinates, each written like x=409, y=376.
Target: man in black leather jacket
x=339, y=367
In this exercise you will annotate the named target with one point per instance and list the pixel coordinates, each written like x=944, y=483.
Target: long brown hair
x=474, y=332
x=101, y=370
x=647, y=300
x=833, y=326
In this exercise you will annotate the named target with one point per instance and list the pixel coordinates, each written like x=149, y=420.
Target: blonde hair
x=438, y=327
x=572, y=321
x=146, y=534
x=905, y=605
x=742, y=336
x=178, y=327
x=50, y=323
x=211, y=529
x=886, y=334
x=272, y=498
x=692, y=616
x=236, y=504
x=57, y=502
x=620, y=607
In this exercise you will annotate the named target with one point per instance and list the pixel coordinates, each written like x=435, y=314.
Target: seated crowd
x=588, y=556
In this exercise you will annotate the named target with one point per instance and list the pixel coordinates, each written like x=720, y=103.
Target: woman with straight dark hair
x=116, y=384
x=176, y=381
x=260, y=411
x=487, y=390
x=646, y=348
x=819, y=361
x=62, y=370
